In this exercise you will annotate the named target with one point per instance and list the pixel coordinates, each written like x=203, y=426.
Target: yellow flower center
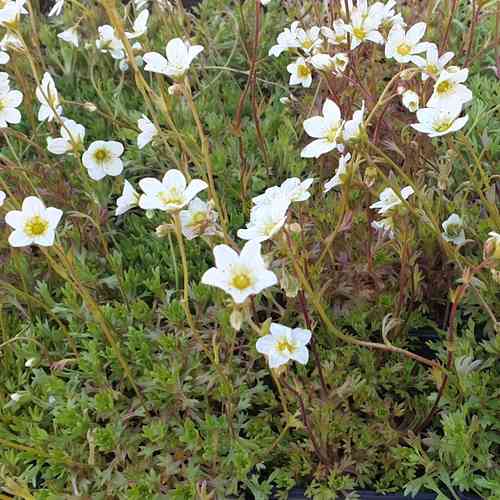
x=404, y=49
x=432, y=69
x=241, y=281
x=303, y=71
x=36, y=226
x=442, y=126
x=331, y=135
x=285, y=346
x=2, y=104
x=359, y=33
x=453, y=230
x=307, y=44
x=444, y=87
x=102, y=155
x=339, y=38
x=199, y=217
x=172, y=197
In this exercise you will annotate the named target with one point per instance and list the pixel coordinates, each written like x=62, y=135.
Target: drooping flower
x=410, y=100
x=72, y=136
x=57, y=8
x=326, y=129
x=300, y=73
x=180, y=54
x=128, y=199
x=388, y=199
x=287, y=39
x=9, y=101
x=453, y=229
x=292, y=189
x=148, y=131
x=34, y=224
x=239, y=275
x=364, y=25
x=108, y=42
x=199, y=219
x=354, y=127
x=140, y=25
x=337, y=35
x=284, y=344
x=70, y=36
x=449, y=91
x=436, y=122
x=171, y=194
x=47, y=95
x=403, y=45
x=102, y=158
x=432, y=65
x=340, y=173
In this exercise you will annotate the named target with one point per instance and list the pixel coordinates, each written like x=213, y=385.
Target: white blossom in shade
x=57, y=8
x=11, y=11
x=148, y=131
x=9, y=102
x=265, y=221
x=340, y=173
x=287, y=39
x=128, y=199
x=30, y=362
x=388, y=199
x=284, y=344
x=432, y=65
x=387, y=14
x=436, y=122
x=337, y=35
x=47, y=95
x=70, y=36
x=102, y=158
x=171, y=194
x=300, y=73
x=453, y=230
x=410, y=100
x=2, y=197
x=325, y=62
x=403, y=45
x=11, y=41
x=16, y=396
x=385, y=226
x=34, y=224
x=325, y=129
x=180, y=55
x=4, y=57
x=140, y=25
x=449, y=91
x=354, y=127
x=239, y=275
x=108, y=42
x=309, y=40
x=199, y=219
x=72, y=136
x=364, y=25
x=292, y=190
x=4, y=82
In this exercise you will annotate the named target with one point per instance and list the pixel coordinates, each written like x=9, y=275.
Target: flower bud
x=91, y=107
x=163, y=229
x=175, y=89
x=492, y=246
x=236, y=319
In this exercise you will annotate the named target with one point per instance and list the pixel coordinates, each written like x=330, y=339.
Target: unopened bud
x=89, y=106
x=175, y=89
x=491, y=248
x=236, y=319
x=163, y=229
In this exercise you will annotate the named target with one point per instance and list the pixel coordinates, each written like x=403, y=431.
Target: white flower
x=410, y=100
x=453, y=228
x=284, y=344
x=4, y=57
x=265, y=220
x=326, y=62
x=292, y=189
x=11, y=12
x=102, y=158
x=338, y=35
x=436, y=122
x=385, y=226
x=325, y=129
x=287, y=39
x=109, y=42
x=364, y=25
x=148, y=131
x=449, y=91
x=4, y=82
x=2, y=198
x=140, y=25
x=309, y=40
x=300, y=73
x=432, y=65
x=34, y=224
x=48, y=97
x=16, y=396
x=492, y=245
x=354, y=127
x=57, y=8
x=70, y=36
x=402, y=46
x=9, y=101
x=180, y=54
x=388, y=199
x=11, y=41
x=239, y=275
x=72, y=136
x=387, y=14
x=340, y=173
x=29, y=362
x=199, y=219
x=129, y=199
x=171, y=194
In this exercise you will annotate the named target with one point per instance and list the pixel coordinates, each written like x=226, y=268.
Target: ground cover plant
x=249, y=247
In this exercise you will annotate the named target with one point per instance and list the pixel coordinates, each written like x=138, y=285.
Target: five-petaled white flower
x=148, y=131
x=171, y=194
x=453, y=229
x=436, y=122
x=292, y=189
x=402, y=46
x=432, y=65
x=364, y=25
x=109, y=42
x=300, y=73
x=47, y=95
x=72, y=136
x=180, y=54
x=284, y=344
x=33, y=224
x=199, y=219
x=388, y=199
x=337, y=35
x=140, y=25
x=309, y=40
x=449, y=91
x=128, y=199
x=102, y=158
x=239, y=275
x=326, y=129
x=70, y=36
x=410, y=100
x=9, y=101
x=287, y=39
x=340, y=173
